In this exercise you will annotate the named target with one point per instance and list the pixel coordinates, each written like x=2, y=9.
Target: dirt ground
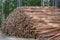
x=3, y=37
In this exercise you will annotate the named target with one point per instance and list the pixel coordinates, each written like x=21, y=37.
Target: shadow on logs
x=41, y=23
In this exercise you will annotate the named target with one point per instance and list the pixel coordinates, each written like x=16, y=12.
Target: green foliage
x=31, y=2
x=9, y=5
x=0, y=11
x=0, y=20
x=51, y=2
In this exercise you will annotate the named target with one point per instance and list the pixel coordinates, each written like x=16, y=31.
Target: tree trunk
x=19, y=3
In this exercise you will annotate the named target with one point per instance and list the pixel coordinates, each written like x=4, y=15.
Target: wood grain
x=42, y=23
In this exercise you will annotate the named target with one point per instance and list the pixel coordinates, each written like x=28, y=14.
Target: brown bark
x=33, y=22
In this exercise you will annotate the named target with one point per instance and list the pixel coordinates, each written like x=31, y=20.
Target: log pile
x=42, y=23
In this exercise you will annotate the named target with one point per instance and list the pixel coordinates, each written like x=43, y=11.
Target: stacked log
x=18, y=24
x=42, y=23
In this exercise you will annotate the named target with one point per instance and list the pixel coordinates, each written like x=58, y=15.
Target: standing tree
x=19, y=3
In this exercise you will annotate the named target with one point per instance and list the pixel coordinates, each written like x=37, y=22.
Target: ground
x=3, y=37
